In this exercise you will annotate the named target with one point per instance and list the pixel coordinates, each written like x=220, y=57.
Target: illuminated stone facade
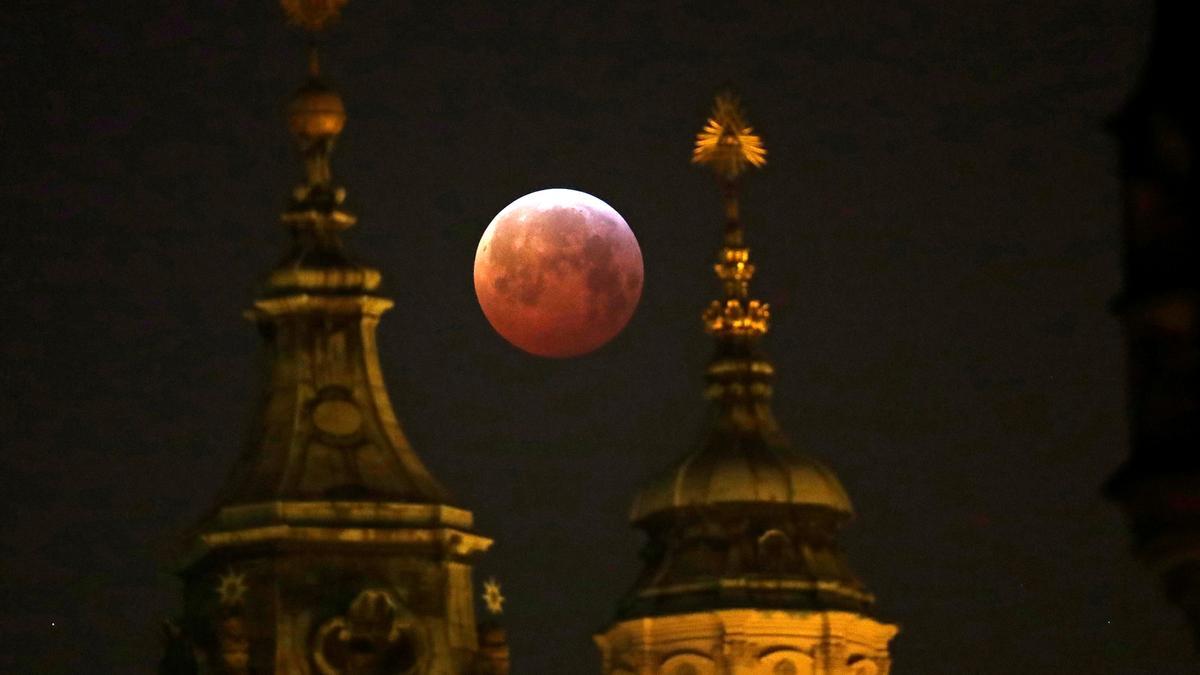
x=331, y=549
x=742, y=573
x=748, y=642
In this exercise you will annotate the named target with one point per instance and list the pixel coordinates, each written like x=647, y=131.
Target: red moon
x=558, y=273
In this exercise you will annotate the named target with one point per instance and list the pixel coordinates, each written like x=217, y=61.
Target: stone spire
x=745, y=457
x=742, y=571
x=728, y=146
x=328, y=429
x=331, y=548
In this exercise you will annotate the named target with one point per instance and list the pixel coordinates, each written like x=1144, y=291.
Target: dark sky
x=936, y=232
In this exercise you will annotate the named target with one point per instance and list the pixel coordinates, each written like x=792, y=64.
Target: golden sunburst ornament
x=231, y=587
x=727, y=144
x=492, y=597
x=312, y=15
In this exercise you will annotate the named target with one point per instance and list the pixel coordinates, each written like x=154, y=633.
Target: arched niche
x=860, y=665
x=785, y=661
x=688, y=663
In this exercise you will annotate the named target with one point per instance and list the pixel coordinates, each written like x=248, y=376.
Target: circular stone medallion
x=337, y=417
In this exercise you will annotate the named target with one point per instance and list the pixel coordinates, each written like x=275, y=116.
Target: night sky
x=937, y=234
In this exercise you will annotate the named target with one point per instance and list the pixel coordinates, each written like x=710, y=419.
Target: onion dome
x=744, y=458
x=714, y=476
x=745, y=520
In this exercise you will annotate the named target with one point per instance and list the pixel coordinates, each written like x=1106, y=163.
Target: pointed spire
x=745, y=457
x=330, y=428
x=328, y=520
x=745, y=522
x=315, y=215
x=316, y=117
x=729, y=146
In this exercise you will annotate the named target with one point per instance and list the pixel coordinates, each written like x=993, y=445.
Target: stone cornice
x=437, y=529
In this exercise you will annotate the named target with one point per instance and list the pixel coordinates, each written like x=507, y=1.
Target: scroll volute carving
x=862, y=666
x=688, y=664
x=376, y=636
x=787, y=661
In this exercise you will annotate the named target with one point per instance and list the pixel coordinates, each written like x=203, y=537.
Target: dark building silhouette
x=1159, y=485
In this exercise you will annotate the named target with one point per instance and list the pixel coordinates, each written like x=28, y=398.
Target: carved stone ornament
x=376, y=636
x=233, y=645
x=336, y=418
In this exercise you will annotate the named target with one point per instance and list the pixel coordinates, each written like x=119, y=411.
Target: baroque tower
x=742, y=573
x=331, y=548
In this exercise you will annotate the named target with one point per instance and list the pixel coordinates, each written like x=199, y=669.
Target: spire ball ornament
x=315, y=117
x=315, y=112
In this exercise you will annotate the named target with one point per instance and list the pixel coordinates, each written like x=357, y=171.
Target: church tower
x=331, y=548
x=742, y=573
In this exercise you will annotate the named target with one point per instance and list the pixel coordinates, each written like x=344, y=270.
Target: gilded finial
x=727, y=144
x=316, y=116
x=312, y=15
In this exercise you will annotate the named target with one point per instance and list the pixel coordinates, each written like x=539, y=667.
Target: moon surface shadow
x=558, y=273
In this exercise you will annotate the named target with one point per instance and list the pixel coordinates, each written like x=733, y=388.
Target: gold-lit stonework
x=337, y=418
x=492, y=596
x=727, y=143
x=749, y=642
x=376, y=634
x=231, y=588
x=733, y=317
x=358, y=561
x=742, y=573
x=727, y=146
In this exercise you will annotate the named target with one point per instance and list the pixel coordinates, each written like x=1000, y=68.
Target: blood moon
x=558, y=273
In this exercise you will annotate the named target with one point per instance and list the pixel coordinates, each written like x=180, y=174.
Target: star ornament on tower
x=492, y=596
x=231, y=588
